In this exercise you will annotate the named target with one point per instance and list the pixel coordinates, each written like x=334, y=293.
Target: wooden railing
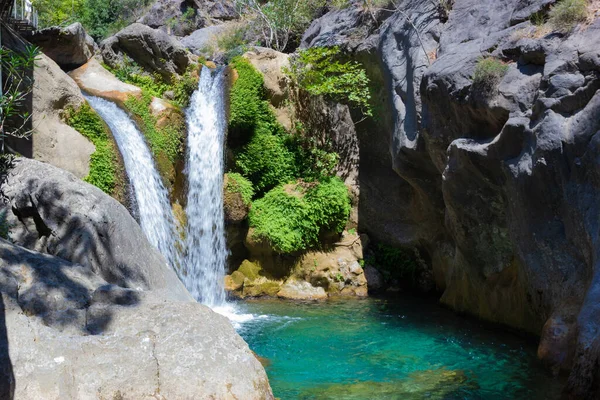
x=20, y=14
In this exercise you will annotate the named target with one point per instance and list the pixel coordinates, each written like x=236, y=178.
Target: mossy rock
x=238, y=278
x=237, y=195
x=266, y=288
x=250, y=270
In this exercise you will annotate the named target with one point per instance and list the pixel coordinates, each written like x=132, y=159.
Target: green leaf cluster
x=292, y=217
x=394, y=262
x=236, y=183
x=104, y=162
x=321, y=72
x=489, y=71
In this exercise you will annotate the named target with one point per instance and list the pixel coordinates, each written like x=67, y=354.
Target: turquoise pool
x=406, y=348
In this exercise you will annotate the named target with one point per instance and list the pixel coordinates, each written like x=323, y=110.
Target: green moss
x=166, y=143
x=268, y=288
x=250, y=270
x=104, y=162
x=568, y=13
x=238, y=278
x=292, y=217
x=236, y=183
x=247, y=104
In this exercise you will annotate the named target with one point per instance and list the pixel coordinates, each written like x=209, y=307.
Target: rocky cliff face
x=498, y=189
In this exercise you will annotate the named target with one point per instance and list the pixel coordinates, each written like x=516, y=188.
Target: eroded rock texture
x=497, y=188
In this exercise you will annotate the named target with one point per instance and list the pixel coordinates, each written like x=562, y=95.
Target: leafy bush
x=102, y=18
x=247, y=104
x=266, y=160
x=236, y=183
x=104, y=163
x=291, y=217
x=320, y=72
x=489, y=71
x=568, y=13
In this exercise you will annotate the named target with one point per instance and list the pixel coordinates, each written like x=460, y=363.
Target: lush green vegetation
x=104, y=163
x=101, y=18
x=236, y=183
x=166, y=142
x=17, y=70
x=394, y=263
x=291, y=217
x=568, y=13
x=321, y=72
x=489, y=71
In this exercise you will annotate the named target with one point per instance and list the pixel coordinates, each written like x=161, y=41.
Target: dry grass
x=593, y=11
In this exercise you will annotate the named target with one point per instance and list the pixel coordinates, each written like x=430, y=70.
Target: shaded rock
x=69, y=47
x=62, y=336
x=300, y=290
x=97, y=81
x=152, y=49
x=51, y=211
x=180, y=17
x=53, y=141
x=250, y=270
x=235, y=208
x=374, y=279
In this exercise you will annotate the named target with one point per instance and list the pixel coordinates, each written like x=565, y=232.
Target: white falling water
x=205, y=238
x=155, y=213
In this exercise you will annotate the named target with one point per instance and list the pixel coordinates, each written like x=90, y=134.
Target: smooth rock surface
x=301, y=290
x=153, y=49
x=69, y=47
x=53, y=141
x=94, y=79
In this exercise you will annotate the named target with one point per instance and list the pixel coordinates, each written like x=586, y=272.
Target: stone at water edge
x=300, y=290
x=374, y=278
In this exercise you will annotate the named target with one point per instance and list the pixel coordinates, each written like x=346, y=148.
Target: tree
x=280, y=20
x=17, y=82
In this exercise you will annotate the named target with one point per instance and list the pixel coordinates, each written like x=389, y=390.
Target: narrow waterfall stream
x=152, y=199
x=205, y=238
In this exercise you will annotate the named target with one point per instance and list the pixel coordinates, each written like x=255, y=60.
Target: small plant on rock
x=568, y=13
x=489, y=71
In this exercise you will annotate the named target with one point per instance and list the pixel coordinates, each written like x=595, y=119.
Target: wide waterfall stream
x=402, y=348
x=152, y=199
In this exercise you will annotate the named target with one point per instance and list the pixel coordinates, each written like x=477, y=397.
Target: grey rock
x=182, y=17
x=66, y=332
x=69, y=47
x=375, y=280
x=53, y=141
x=51, y=211
x=152, y=49
x=203, y=41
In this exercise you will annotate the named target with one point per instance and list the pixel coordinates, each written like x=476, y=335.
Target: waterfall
x=205, y=236
x=154, y=209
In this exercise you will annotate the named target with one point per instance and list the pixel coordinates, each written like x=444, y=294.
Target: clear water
x=205, y=237
x=406, y=348
x=151, y=197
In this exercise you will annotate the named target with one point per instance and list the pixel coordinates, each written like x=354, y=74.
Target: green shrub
x=320, y=72
x=568, y=13
x=247, y=105
x=291, y=217
x=184, y=87
x=266, y=160
x=104, y=162
x=236, y=183
x=394, y=262
x=489, y=71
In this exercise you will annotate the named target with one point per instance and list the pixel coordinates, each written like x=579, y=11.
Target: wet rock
x=69, y=47
x=260, y=287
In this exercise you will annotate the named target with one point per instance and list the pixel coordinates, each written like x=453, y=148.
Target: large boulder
x=67, y=332
x=52, y=140
x=181, y=17
x=69, y=47
x=153, y=49
x=94, y=79
x=205, y=41
x=51, y=211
